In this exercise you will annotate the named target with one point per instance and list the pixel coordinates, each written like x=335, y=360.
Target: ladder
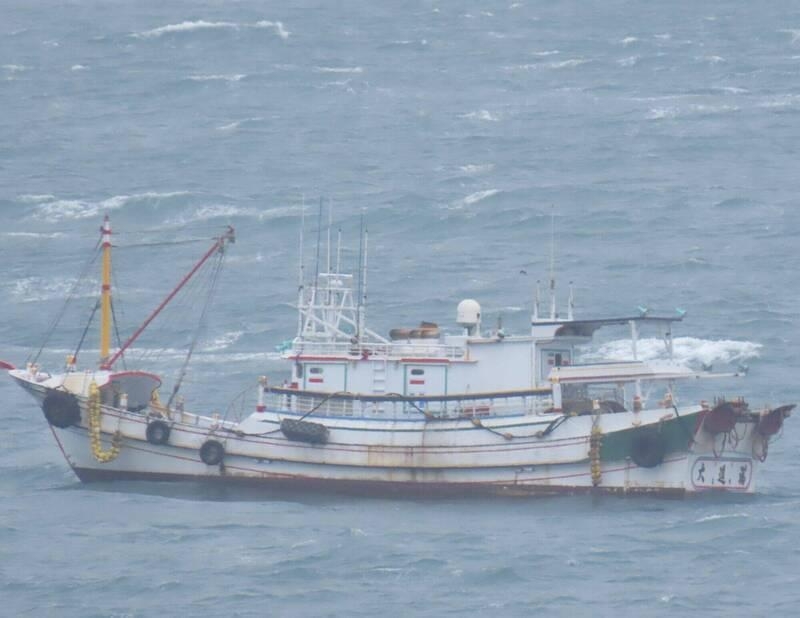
x=379, y=381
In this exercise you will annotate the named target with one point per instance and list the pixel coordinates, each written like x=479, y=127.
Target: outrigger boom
x=218, y=246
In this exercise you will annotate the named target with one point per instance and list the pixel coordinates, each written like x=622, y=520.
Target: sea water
x=651, y=148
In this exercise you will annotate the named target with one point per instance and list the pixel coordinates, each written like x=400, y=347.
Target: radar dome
x=468, y=314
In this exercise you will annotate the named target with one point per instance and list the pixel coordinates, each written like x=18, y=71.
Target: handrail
x=389, y=397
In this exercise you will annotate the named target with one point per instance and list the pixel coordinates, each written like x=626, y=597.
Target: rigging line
x=54, y=324
x=201, y=326
x=171, y=317
x=116, y=332
x=161, y=244
x=85, y=330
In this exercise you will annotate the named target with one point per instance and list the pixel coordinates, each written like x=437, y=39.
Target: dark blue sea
x=652, y=145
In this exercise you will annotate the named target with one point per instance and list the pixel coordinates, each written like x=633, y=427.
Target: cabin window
x=559, y=359
x=315, y=370
x=417, y=372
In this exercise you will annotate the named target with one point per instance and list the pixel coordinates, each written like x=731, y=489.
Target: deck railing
x=421, y=349
x=401, y=407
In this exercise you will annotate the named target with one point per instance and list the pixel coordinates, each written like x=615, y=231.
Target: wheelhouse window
x=417, y=372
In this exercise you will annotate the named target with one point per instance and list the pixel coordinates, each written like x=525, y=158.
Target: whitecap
x=628, y=40
x=38, y=289
x=666, y=36
x=339, y=69
x=628, y=62
x=687, y=350
x=482, y=114
x=567, y=64
x=477, y=168
x=15, y=68
x=228, y=211
x=57, y=210
x=77, y=67
x=33, y=234
x=223, y=341
x=474, y=198
x=722, y=516
x=795, y=32
x=36, y=198
x=234, y=77
x=277, y=26
x=714, y=59
x=659, y=113
x=191, y=26
x=185, y=26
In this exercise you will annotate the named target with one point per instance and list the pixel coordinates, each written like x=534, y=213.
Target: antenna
x=536, y=302
x=338, y=251
x=319, y=242
x=552, y=263
x=330, y=222
x=359, y=307
x=364, y=284
x=301, y=268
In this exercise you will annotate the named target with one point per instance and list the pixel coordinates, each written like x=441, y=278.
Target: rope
x=217, y=269
x=54, y=324
x=85, y=330
x=116, y=332
x=477, y=422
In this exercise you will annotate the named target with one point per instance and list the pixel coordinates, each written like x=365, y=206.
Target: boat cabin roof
x=586, y=328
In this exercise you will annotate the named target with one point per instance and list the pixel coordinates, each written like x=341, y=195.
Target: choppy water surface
x=664, y=139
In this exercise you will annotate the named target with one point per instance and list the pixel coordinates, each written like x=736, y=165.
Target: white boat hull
x=501, y=455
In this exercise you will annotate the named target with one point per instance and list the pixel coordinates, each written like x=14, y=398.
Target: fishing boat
x=464, y=410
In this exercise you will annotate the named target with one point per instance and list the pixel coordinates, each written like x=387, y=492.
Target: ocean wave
x=15, y=68
x=238, y=123
x=795, y=32
x=482, y=114
x=223, y=341
x=628, y=62
x=38, y=289
x=628, y=40
x=567, y=64
x=549, y=52
x=473, y=198
x=78, y=67
x=687, y=350
x=228, y=211
x=339, y=69
x=36, y=199
x=716, y=517
x=661, y=113
x=53, y=210
x=32, y=234
x=234, y=77
x=476, y=168
x=192, y=26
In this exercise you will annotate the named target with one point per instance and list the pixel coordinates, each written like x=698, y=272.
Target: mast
x=105, y=292
x=219, y=245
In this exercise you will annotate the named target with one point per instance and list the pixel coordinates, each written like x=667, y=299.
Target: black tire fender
x=61, y=409
x=648, y=448
x=212, y=452
x=157, y=432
